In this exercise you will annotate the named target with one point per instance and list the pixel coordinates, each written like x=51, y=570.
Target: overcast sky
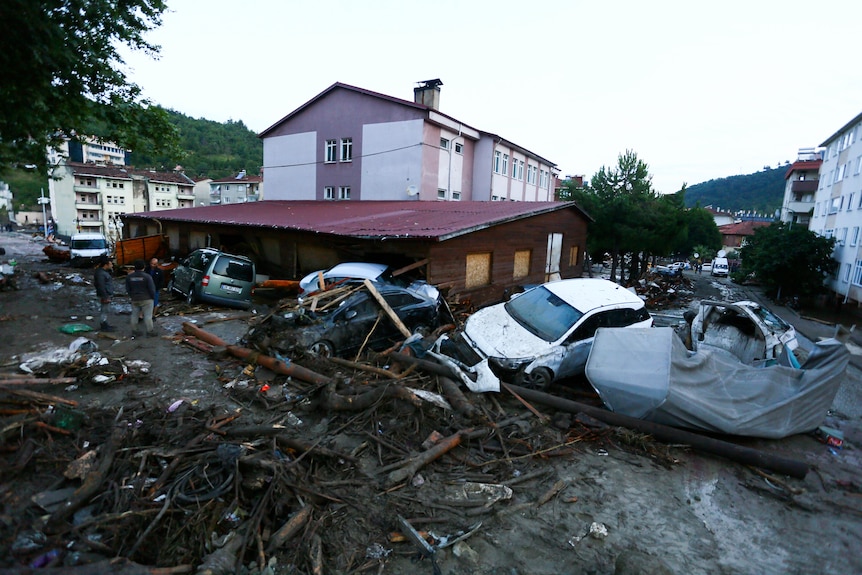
x=699, y=90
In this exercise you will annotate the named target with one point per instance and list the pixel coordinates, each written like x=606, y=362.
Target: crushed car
x=748, y=330
x=354, y=272
x=710, y=389
x=357, y=320
x=539, y=336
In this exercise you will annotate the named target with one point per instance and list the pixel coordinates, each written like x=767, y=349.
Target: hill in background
x=761, y=192
x=213, y=150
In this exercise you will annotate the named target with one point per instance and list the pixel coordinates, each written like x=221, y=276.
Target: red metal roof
x=366, y=219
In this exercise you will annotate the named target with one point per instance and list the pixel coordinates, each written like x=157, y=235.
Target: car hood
x=496, y=334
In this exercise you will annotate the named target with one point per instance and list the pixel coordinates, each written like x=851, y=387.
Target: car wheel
x=190, y=297
x=322, y=349
x=540, y=378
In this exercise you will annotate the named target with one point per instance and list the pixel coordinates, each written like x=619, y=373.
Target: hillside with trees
x=761, y=191
x=211, y=149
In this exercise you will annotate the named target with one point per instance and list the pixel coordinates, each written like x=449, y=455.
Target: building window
x=328, y=193
x=456, y=196
x=850, y=202
x=846, y=275
x=854, y=236
x=441, y=194
x=573, y=256
x=331, y=150
x=505, y=164
x=459, y=148
x=857, y=273
x=478, y=270
x=835, y=205
x=522, y=264
x=444, y=143
x=842, y=236
x=346, y=149
x=518, y=169
x=498, y=159
x=344, y=192
x=531, y=174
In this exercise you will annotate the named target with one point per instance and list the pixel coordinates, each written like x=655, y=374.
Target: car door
x=350, y=325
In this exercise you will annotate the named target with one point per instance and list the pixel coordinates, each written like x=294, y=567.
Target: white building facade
x=838, y=207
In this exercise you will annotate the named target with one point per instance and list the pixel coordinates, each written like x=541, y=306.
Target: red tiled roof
x=125, y=172
x=741, y=228
x=801, y=166
x=246, y=179
x=364, y=219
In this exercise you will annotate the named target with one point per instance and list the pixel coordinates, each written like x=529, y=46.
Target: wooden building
x=476, y=251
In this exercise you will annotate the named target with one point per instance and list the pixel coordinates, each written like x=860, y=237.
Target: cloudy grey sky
x=699, y=90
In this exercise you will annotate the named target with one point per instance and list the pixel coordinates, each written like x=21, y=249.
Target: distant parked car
x=680, y=266
x=212, y=276
x=356, y=321
x=545, y=333
x=353, y=272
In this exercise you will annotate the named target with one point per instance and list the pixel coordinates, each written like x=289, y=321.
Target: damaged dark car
x=357, y=322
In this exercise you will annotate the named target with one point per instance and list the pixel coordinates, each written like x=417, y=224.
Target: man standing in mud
x=142, y=291
x=104, y=281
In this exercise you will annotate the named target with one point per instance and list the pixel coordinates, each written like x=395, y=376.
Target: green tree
x=624, y=208
x=61, y=74
x=788, y=260
x=702, y=232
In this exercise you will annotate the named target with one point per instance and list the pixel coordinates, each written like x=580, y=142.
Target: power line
x=360, y=157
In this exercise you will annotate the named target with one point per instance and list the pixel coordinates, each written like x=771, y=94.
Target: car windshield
x=770, y=318
x=89, y=244
x=543, y=313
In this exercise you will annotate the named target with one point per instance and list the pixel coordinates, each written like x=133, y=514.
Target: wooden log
x=117, y=566
x=731, y=451
x=456, y=397
x=409, y=467
x=37, y=380
x=92, y=484
x=286, y=532
x=274, y=365
x=41, y=397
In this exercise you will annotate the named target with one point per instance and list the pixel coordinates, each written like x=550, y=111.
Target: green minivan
x=212, y=276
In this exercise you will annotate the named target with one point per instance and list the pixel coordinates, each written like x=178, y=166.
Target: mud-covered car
x=215, y=277
x=746, y=329
x=358, y=320
x=543, y=334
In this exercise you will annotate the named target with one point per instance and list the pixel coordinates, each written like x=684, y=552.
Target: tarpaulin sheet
x=649, y=374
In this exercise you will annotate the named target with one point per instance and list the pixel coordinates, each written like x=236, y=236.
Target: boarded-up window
x=573, y=256
x=478, y=270
x=522, y=264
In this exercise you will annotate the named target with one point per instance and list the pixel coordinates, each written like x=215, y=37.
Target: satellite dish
x=696, y=255
x=721, y=253
x=412, y=190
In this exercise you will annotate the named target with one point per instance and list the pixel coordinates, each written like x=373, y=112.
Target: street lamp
x=43, y=200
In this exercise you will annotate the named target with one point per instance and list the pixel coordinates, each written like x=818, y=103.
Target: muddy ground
x=195, y=461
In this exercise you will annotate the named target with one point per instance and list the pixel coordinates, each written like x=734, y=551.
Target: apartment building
x=838, y=206
x=801, y=183
x=236, y=189
x=348, y=143
x=90, y=197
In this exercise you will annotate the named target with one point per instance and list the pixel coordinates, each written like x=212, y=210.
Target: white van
x=720, y=267
x=85, y=249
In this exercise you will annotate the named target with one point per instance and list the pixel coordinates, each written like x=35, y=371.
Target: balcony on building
x=804, y=186
x=88, y=200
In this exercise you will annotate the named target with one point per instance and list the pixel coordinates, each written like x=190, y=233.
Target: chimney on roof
x=428, y=93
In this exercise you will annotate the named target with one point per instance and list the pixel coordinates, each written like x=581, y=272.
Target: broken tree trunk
x=731, y=451
x=274, y=365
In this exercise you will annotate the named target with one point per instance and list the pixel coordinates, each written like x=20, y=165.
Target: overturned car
x=539, y=336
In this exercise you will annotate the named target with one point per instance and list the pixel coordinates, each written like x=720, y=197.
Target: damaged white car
x=539, y=336
x=746, y=329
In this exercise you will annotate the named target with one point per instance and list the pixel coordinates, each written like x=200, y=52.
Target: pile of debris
x=335, y=474
x=663, y=290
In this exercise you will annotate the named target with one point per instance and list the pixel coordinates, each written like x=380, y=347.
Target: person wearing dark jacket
x=158, y=278
x=142, y=291
x=104, y=281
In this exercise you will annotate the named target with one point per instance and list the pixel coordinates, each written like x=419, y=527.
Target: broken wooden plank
x=392, y=315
